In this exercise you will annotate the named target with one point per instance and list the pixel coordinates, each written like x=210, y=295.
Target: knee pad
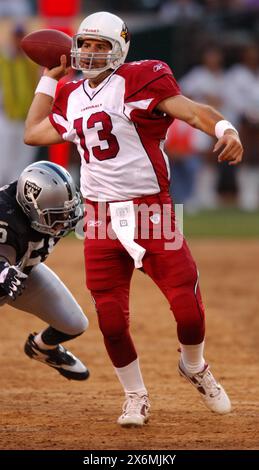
x=76, y=322
x=112, y=318
x=188, y=310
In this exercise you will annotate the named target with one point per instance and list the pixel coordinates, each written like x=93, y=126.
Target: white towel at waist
x=123, y=224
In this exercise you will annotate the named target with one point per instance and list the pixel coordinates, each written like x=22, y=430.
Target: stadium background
x=39, y=410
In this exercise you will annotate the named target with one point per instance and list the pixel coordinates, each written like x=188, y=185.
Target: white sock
x=192, y=357
x=41, y=344
x=130, y=378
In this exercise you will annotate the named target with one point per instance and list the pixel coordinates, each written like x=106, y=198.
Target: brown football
x=45, y=47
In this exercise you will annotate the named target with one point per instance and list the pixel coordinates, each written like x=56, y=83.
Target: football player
x=35, y=213
x=118, y=116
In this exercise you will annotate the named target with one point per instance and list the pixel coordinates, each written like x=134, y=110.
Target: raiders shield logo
x=125, y=33
x=31, y=188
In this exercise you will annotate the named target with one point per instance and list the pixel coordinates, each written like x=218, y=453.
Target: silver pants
x=49, y=299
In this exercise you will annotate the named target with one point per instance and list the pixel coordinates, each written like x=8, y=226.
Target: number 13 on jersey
x=104, y=135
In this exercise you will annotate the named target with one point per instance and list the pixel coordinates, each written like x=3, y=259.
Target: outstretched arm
x=38, y=128
x=205, y=118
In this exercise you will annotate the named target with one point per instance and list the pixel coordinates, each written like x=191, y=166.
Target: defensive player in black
x=35, y=213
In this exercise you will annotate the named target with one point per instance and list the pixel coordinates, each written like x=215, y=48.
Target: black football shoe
x=59, y=358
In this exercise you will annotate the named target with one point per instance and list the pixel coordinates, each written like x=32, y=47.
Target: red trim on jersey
x=60, y=104
x=151, y=146
x=106, y=80
x=168, y=87
x=148, y=79
x=61, y=99
x=156, y=158
x=60, y=129
x=128, y=97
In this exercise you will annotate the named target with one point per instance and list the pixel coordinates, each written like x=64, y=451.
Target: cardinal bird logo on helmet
x=125, y=33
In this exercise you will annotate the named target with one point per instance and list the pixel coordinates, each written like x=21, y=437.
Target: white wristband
x=222, y=126
x=47, y=85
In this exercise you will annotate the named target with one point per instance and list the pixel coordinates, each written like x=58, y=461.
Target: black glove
x=11, y=279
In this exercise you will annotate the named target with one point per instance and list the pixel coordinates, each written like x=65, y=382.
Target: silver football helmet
x=47, y=194
x=106, y=26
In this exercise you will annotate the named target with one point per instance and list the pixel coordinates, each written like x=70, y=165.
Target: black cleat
x=59, y=358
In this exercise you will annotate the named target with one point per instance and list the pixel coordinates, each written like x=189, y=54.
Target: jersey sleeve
x=8, y=236
x=58, y=115
x=165, y=87
x=149, y=83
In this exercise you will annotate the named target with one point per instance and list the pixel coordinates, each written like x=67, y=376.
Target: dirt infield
x=42, y=410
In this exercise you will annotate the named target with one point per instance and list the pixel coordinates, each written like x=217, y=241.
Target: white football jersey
x=118, y=133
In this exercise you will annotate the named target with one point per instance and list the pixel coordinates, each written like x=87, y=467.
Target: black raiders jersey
x=31, y=247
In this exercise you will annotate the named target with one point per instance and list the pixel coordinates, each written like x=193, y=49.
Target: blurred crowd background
x=212, y=47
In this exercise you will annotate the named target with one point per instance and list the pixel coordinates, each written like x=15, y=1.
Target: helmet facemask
x=57, y=222
x=113, y=57
x=48, y=196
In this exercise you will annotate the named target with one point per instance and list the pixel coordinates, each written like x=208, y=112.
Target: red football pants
x=109, y=270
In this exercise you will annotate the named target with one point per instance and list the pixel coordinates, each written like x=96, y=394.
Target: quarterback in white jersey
x=118, y=135
x=118, y=116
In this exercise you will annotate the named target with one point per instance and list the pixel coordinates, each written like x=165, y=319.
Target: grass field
x=223, y=223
